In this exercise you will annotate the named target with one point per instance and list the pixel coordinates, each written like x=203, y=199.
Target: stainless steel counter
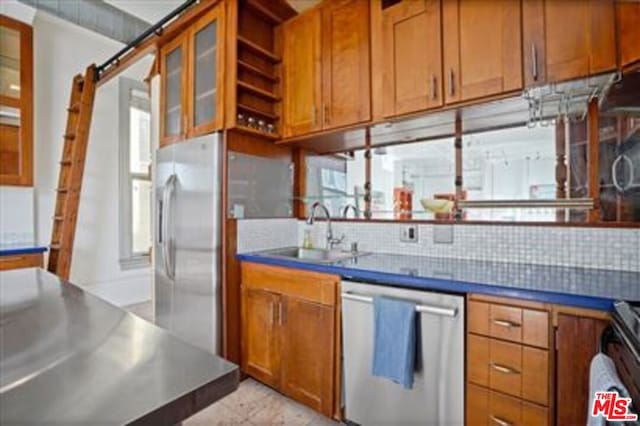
x=68, y=357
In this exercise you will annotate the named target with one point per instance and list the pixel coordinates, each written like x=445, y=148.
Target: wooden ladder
x=74, y=153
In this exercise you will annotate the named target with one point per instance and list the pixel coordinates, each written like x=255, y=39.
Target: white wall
x=62, y=50
x=17, y=222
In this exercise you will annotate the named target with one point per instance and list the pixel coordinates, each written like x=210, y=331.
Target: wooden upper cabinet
x=628, y=19
x=308, y=337
x=568, y=39
x=16, y=103
x=482, y=48
x=412, y=57
x=192, y=80
x=261, y=342
x=301, y=73
x=346, y=65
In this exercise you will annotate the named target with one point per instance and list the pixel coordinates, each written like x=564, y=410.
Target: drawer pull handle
x=505, y=323
x=499, y=421
x=503, y=369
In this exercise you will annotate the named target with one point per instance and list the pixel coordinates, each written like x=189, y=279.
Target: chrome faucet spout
x=345, y=211
x=312, y=217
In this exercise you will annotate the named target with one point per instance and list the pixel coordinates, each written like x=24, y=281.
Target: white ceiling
x=154, y=10
x=149, y=10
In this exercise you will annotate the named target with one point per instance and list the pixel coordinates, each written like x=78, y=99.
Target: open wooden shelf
x=260, y=113
x=249, y=45
x=257, y=71
x=258, y=91
x=263, y=12
x=249, y=130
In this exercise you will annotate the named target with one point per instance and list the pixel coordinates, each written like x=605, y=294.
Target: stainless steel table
x=68, y=357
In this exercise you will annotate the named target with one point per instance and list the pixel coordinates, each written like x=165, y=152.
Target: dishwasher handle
x=428, y=309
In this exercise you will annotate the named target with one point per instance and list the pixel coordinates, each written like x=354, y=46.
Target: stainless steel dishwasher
x=437, y=396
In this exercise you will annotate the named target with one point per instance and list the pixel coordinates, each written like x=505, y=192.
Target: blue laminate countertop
x=20, y=248
x=582, y=287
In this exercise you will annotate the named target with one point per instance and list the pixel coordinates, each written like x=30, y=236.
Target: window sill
x=135, y=262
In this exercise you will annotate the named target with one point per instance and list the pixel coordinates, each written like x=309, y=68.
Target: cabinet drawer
x=521, y=325
x=485, y=407
x=20, y=261
x=514, y=369
x=309, y=286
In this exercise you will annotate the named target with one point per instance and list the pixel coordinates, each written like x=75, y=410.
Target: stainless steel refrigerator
x=187, y=193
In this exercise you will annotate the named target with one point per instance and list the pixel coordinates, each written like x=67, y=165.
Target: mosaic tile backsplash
x=602, y=248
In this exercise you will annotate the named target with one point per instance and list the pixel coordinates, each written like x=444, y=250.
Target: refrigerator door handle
x=166, y=223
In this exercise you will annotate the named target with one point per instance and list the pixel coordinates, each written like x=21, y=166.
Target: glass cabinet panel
x=204, y=87
x=9, y=62
x=173, y=92
x=9, y=140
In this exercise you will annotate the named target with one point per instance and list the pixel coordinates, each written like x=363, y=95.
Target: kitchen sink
x=312, y=255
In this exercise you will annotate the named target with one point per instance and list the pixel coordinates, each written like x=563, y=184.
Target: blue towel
x=394, y=341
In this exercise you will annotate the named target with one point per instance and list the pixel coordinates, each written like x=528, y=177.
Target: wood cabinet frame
x=24, y=103
x=186, y=41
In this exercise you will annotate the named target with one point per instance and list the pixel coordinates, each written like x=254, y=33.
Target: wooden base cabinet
x=577, y=341
x=290, y=323
x=509, y=373
x=261, y=345
x=485, y=407
x=307, y=349
x=19, y=261
x=528, y=362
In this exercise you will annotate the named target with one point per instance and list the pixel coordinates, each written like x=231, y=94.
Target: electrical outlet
x=409, y=234
x=443, y=234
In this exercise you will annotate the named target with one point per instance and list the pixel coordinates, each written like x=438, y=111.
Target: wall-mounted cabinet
x=346, y=65
x=326, y=68
x=627, y=18
x=412, y=59
x=16, y=103
x=568, y=39
x=482, y=48
x=301, y=74
x=192, y=80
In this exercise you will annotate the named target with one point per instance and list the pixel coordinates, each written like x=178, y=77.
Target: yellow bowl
x=437, y=206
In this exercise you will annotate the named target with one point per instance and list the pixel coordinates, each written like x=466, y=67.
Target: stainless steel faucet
x=346, y=208
x=312, y=217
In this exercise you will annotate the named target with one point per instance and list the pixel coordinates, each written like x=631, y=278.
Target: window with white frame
x=135, y=174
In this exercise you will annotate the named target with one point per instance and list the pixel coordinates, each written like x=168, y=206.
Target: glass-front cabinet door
x=16, y=103
x=174, y=81
x=192, y=80
x=205, y=100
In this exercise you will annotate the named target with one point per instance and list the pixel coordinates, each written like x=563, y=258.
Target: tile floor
x=252, y=404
